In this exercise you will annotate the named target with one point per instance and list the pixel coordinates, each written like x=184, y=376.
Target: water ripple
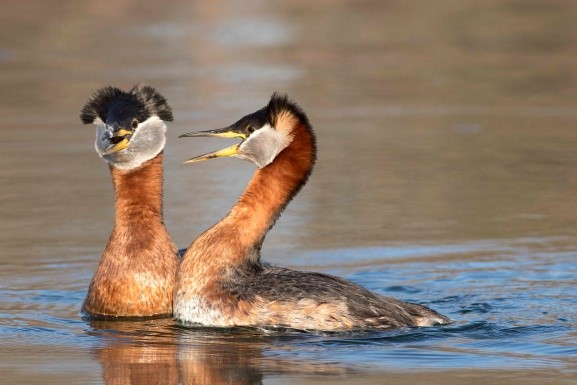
x=507, y=313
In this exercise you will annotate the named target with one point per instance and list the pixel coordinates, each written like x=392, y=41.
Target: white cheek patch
x=147, y=141
x=264, y=145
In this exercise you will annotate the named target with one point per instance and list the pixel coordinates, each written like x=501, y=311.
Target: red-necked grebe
x=136, y=273
x=221, y=280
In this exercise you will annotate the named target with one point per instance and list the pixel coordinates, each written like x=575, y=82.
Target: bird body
x=135, y=275
x=221, y=281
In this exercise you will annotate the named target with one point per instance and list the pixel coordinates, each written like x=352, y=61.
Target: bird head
x=264, y=133
x=130, y=126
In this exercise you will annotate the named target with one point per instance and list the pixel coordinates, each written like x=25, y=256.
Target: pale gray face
x=130, y=126
x=145, y=142
x=261, y=141
x=263, y=145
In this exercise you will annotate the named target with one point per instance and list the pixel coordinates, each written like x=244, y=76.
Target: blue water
x=512, y=303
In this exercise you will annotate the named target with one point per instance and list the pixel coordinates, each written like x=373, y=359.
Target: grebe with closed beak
x=221, y=280
x=136, y=273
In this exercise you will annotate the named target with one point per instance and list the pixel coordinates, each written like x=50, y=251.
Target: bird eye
x=250, y=129
x=134, y=124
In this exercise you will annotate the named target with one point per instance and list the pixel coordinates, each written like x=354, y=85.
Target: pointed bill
x=229, y=151
x=227, y=132
x=119, y=141
x=115, y=147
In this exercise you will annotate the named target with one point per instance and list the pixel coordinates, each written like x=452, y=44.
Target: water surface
x=446, y=176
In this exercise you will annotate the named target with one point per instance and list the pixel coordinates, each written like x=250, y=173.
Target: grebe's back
x=309, y=300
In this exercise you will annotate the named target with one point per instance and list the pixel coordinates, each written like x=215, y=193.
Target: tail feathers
x=399, y=314
x=423, y=316
x=432, y=320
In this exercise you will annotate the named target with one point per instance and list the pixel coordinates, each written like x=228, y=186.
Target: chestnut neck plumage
x=135, y=276
x=236, y=240
x=272, y=188
x=138, y=193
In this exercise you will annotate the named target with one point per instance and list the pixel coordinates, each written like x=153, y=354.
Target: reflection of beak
x=227, y=132
x=119, y=141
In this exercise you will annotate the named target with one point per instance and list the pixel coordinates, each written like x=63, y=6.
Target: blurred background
x=447, y=133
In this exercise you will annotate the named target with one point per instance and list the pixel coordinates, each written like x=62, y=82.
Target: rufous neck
x=272, y=188
x=138, y=193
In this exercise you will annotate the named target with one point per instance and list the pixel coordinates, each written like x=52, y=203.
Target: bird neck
x=138, y=193
x=237, y=239
x=135, y=275
x=272, y=188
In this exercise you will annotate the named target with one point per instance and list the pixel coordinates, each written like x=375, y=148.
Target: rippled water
x=513, y=306
x=446, y=176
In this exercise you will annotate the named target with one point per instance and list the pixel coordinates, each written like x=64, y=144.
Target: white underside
x=193, y=310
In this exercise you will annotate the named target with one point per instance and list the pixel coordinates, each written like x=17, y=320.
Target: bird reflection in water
x=137, y=352
x=161, y=352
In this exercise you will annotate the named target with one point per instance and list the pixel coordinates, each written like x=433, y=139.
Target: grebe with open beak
x=221, y=280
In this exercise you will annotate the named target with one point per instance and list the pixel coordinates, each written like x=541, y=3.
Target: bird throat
x=138, y=192
x=268, y=193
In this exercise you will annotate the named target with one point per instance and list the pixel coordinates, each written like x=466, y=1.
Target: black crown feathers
x=146, y=99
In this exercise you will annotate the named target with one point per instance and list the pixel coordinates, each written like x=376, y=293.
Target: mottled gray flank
x=279, y=284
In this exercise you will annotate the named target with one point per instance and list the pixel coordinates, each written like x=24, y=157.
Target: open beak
x=228, y=132
x=118, y=141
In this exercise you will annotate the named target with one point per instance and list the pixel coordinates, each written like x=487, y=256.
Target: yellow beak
x=227, y=132
x=118, y=142
x=229, y=151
